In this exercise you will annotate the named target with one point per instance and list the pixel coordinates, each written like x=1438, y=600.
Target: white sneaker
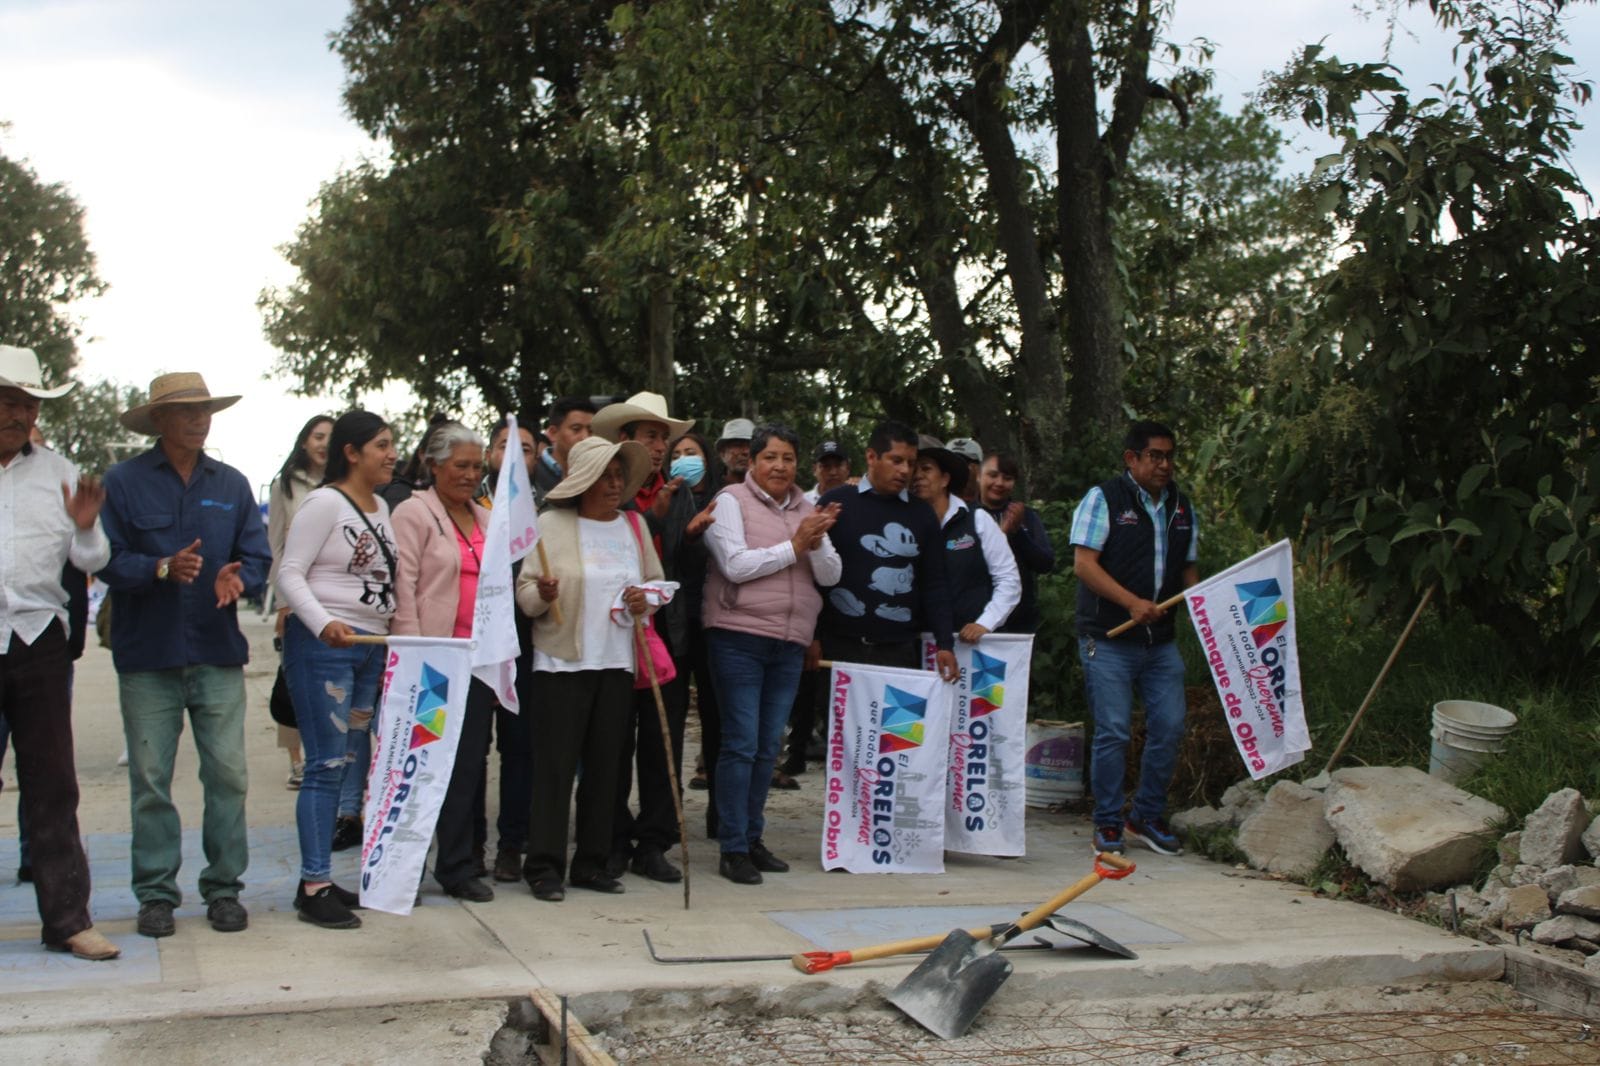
x=122, y=760
x=297, y=775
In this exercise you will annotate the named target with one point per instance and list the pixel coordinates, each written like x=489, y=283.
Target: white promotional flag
x=419, y=727
x=513, y=532
x=1244, y=618
x=987, y=779
x=887, y=741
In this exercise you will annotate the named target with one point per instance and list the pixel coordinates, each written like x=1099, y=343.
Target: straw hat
x=589, y=458
x=640, y=407
x=184, y=388
x=19, y=369
x=951, y=463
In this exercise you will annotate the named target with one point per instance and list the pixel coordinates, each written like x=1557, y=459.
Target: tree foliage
x=83, y=425
x=45, y=266
x=1443, y=385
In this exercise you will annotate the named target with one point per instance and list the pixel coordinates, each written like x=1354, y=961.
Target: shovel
x=948, y=989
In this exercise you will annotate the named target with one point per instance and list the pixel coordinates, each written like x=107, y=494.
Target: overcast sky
x=196, y=134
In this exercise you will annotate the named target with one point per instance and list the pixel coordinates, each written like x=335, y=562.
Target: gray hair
x=445, y=438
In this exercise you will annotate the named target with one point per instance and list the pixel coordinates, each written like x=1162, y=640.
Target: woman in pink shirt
x=438, y=536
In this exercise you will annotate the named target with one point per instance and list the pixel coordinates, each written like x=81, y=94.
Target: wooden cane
x=666, y=743
x=1165, y=605
x=544, y=568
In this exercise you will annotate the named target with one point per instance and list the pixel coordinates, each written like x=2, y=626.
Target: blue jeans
x=334, y=691
x=1111, y=669
x=755, y=678
x=153, y=707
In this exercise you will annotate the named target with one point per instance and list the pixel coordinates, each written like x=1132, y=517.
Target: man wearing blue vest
x=1134, y=540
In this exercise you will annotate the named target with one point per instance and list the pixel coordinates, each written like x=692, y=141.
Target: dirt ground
x=1456, y=1024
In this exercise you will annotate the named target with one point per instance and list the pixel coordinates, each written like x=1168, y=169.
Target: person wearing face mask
x=669, y=509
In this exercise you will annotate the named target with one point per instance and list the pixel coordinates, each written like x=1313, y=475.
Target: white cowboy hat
x=184, y=388
x=19, y=369
x=737, y=430
x=589, y=458
x=640, y=407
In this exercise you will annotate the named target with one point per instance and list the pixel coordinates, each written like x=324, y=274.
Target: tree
x=1443, y=385
x=45, y=266
x=83, y=425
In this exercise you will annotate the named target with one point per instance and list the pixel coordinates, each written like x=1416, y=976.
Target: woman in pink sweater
x=438, y=535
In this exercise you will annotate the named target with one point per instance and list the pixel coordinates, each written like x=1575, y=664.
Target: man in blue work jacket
x=186, y=543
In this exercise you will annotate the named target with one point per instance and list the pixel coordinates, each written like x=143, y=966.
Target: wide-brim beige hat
x=640, y=407
x=19, y=369
x=184, y=388
x=589, y=458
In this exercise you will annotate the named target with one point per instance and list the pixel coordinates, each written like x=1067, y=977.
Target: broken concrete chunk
x=1243, y=797
x=1565, y=927
x=1584, y=902
x=1287, y=834
x=1553, y=834
x=1591, y=839
x=1199, y=819
x=1558, y=879
x=1592, y=964
x=1525, y=907
x=1523, y=874
x=1408, y=830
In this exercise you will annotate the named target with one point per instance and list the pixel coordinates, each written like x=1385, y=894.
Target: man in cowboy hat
x=44, y=522
x=647, y=837
x=186, y=543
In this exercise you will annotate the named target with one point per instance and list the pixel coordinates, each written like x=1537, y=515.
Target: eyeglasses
x=1159, y=457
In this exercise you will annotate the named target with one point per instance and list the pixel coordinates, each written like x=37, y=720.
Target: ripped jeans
x=335, y=691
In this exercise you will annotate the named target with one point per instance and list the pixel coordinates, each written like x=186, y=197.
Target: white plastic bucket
x=1054, y=763
x=1465, y=733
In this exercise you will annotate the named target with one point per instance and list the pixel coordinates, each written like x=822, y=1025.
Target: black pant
x=35, y=699
x=655, y=827
x=456, y=860
x=808, y=708
x=906, y=654
x=698, y=662
x=577, y=716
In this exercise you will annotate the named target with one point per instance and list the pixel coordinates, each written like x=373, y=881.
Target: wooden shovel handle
x=1106, y=866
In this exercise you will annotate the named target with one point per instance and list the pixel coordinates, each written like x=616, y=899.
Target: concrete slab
x=1219, y=932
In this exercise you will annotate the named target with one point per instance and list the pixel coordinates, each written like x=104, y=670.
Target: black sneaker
x=548, y=889
x=765, y=861
x=346, y=832
x=617, y=863
x=348, y=898
x=508, y=866
x=472, y=890
x=24, y=875
x=155, y=919
x=737, y=867
x=227, y=915
x=324, y=909
x=1156, y=834
x=1108, y=838
x=600, y=883
x=651, y=863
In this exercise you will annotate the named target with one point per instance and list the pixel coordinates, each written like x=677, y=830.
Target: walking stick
x=666, y=743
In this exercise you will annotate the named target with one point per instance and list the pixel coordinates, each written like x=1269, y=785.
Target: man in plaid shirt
x=1134, y=539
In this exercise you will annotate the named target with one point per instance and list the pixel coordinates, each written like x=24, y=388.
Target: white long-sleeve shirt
x=739, y=562
x=38, y=537
x=998, y=558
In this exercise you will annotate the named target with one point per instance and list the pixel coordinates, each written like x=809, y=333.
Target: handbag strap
x=383, y=545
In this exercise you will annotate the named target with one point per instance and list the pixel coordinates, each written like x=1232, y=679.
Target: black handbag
x=280, y=705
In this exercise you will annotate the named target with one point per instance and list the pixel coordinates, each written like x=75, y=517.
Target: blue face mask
x=692, y=468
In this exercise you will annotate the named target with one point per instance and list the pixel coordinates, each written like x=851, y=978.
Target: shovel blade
x=1087, y=935
x=948, y=989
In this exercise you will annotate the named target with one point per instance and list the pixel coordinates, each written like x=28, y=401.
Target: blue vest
x=1129, y=557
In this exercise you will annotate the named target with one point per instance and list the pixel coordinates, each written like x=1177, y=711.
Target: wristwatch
x=163, y=568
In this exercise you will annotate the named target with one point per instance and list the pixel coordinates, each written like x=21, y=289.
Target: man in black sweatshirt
x=893, y=587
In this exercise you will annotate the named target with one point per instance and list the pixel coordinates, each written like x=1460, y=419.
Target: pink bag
x=666, y=669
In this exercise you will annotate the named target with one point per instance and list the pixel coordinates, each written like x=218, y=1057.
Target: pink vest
x=784, y=605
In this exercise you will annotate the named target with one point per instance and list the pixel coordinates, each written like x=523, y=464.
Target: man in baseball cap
x=733, y=448
x=972, y=452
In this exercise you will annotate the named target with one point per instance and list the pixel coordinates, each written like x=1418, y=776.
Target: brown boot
x=88, y=944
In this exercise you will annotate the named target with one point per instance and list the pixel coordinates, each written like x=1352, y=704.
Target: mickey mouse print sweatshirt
x=893, y=587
